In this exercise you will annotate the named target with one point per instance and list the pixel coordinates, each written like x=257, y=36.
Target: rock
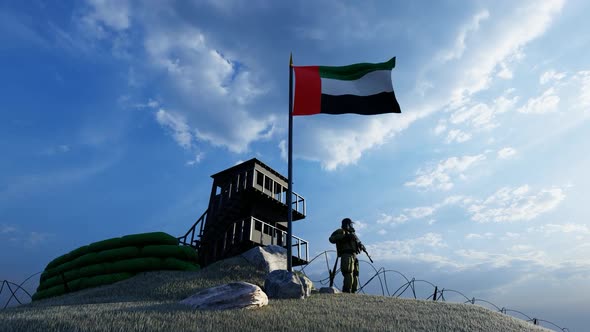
x=282, y=284
x=229, y=296
x=329, y=290
x=307, y=285
x=269, y=258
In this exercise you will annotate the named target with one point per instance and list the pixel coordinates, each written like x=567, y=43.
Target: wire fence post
x=434, y=295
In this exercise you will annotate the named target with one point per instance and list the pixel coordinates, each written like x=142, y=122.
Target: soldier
x=347, y=247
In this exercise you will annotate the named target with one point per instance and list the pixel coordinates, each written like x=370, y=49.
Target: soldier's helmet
x=346, y=222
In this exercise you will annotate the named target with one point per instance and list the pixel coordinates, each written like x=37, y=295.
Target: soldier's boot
x=355, y=282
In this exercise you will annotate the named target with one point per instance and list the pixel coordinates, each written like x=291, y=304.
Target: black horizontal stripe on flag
x=381, y=103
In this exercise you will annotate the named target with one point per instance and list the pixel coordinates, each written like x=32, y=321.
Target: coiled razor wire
x=410, y=286
x=380, y=274
x=13, y=292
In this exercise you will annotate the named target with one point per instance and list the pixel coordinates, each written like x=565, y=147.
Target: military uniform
x=347, y=248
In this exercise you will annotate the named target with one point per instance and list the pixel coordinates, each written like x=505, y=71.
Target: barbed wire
x=13, y=292
x=438, y=294
x=380, y=274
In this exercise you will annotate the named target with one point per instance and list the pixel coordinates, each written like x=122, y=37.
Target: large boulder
x=329, y=290
x=282, y=284
x=307, y=285
x=229, y=296
x=268, y=259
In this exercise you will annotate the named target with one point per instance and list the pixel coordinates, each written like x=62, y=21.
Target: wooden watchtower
x=247, y=208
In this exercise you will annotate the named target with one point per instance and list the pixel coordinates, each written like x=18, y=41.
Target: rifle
x=360, y=245
x=363, y=249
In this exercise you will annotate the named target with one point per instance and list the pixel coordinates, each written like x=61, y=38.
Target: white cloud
x=36, y=238
x=360, y=225
x=344, y=144
x=480, y=116
x=545, y=103
x=475, y=236
x=216, y=89
x=579, y=229
x=506, y=153
x=582, y=80
x=177, y=124
x=515, y=204
x=504, y=42
x=420, y=212
x=406, y=249
x=504, y=72
x=381, y=232
x=497, y=260
x=439, y=176
x=284, y=149
x=391, y=220
x=459, y=48
x=5, y=229
x=510, y=235
x=105, y=15
x=153, y=104
x=551, y=75
x=440, y=127
x=198, y=158
x=456, y=135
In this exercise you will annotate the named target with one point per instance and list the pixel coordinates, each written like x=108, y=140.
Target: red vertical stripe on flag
x=308, y=90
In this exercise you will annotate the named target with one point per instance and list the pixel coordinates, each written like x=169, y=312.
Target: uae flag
x=362, y=88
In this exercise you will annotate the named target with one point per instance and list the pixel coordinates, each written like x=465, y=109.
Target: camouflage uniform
x=347, y=248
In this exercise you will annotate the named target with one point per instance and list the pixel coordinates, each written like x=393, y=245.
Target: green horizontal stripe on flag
x=355, y=71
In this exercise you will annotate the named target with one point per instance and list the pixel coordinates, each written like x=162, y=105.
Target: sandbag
x=180, y=252
x=145, y=239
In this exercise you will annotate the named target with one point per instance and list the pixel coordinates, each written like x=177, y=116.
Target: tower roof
x=247, y=165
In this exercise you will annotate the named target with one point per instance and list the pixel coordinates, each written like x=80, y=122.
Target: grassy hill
x=149, y=302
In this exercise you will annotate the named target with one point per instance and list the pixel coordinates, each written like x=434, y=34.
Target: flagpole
x=290, y=180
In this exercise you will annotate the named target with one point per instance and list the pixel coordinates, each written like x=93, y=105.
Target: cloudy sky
x=116, y=113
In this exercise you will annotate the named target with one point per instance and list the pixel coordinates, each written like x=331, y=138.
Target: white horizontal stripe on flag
x=372, y=83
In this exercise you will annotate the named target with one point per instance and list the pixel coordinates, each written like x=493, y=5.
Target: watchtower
x=247, y=208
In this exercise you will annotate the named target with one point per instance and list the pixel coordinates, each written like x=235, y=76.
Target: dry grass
x=149, y=302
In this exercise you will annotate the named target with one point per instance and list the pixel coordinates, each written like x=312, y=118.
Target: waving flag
x=362, y=88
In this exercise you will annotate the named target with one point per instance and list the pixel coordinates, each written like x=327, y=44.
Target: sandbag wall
x=112, y=260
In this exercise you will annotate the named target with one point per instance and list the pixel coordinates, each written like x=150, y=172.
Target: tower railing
x=277, y=191
x=192, y=233
x=260, y=232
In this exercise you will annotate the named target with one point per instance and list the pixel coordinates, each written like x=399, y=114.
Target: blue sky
x=116, y=113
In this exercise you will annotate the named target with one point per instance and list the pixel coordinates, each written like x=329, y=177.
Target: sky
x=116, y=113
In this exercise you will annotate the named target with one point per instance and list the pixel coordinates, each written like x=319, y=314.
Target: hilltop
x=149, y=302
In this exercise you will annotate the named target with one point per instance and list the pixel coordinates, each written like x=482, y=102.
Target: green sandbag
x=93, y=270
x=117, y=254
x=145, y=239
x=88, y=259
x=82, y=283
x=142, y=239
x=53, y=281
x=176, y=264
x=83, y=250
x=190, y=254
x=165, y=251
x=58, y=261
x=75, y=285
x=68, y=257
x=137, y=264
x=93, y=258
x=51, y=292
x=106, y=245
